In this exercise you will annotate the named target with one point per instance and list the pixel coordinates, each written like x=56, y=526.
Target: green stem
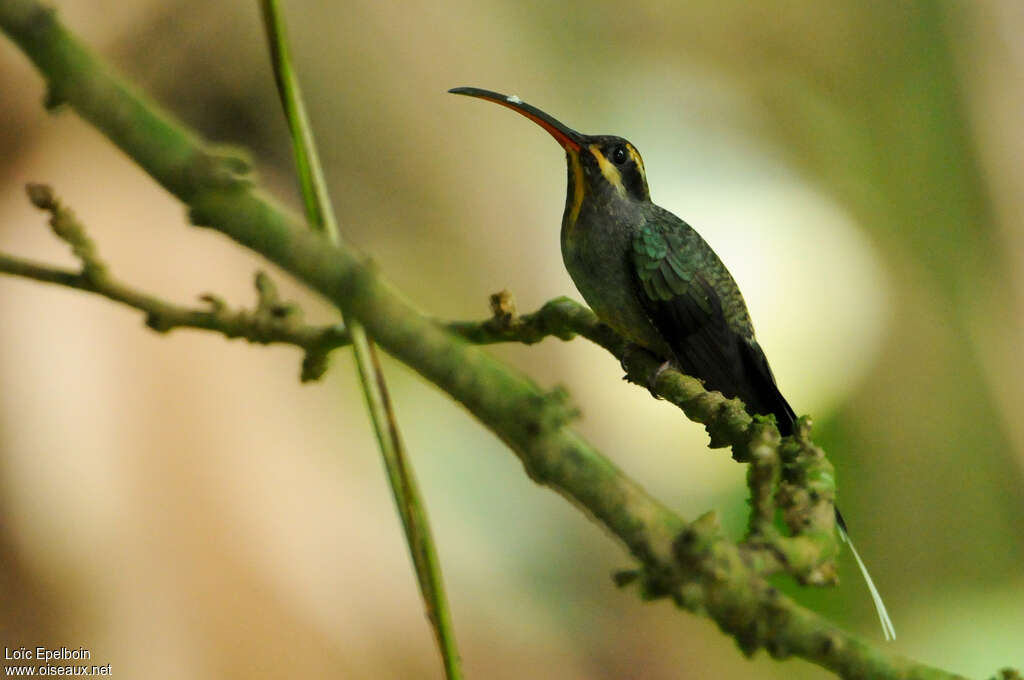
x=320, y=213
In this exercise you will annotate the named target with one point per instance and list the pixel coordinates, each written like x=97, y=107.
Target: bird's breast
x=597, y=254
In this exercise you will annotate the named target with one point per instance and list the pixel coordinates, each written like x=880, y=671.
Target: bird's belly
x=608, y=285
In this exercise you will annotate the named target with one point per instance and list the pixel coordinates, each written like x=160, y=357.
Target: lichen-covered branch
x=693, y=563
x=273, y=321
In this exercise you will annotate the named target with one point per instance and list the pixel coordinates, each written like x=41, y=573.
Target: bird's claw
x=665, y=365
x=653, y=380
x=627, y=352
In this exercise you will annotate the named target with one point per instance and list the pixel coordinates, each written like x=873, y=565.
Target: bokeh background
x=183, y=507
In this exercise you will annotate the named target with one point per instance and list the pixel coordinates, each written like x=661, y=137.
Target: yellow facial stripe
x=635, y=155
x=577, y=183
x=610, y=172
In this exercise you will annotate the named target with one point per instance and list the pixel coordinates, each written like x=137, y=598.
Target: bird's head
x=601, y=167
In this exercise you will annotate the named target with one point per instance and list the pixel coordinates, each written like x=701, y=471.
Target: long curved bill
x=567, y=137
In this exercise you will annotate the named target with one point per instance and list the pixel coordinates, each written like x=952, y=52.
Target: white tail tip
x=887, y=628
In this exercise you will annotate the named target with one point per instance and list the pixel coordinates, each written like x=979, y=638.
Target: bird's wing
x=677, y=274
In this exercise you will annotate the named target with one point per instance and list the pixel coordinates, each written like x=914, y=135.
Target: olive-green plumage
x=651, y=277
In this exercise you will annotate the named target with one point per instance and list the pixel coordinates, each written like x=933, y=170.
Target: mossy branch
x=693, y=563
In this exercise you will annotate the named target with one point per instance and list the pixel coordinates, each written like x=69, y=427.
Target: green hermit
x=652, y=278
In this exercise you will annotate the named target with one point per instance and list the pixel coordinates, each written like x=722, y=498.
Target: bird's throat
x=576, y=189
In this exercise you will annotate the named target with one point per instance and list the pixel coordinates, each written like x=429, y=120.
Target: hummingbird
x=654, y=280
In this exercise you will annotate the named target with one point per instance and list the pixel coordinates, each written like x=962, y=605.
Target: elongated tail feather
x=883, y=615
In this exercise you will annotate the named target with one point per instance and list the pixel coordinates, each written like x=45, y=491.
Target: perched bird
x=651, y=277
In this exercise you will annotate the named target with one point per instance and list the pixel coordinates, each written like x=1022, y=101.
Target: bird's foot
x=665, y=365
x=627, y=354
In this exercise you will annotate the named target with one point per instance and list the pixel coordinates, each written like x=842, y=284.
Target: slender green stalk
x=319, y=211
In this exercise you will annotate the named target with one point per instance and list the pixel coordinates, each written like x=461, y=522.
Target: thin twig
x=276, y=322
x=271, y=321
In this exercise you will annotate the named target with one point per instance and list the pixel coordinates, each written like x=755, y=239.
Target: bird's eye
x=619, y=155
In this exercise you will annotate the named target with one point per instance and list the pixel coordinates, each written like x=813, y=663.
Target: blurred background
x=183, y=507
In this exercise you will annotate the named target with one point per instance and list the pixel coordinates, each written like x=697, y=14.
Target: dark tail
x=759, y=391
